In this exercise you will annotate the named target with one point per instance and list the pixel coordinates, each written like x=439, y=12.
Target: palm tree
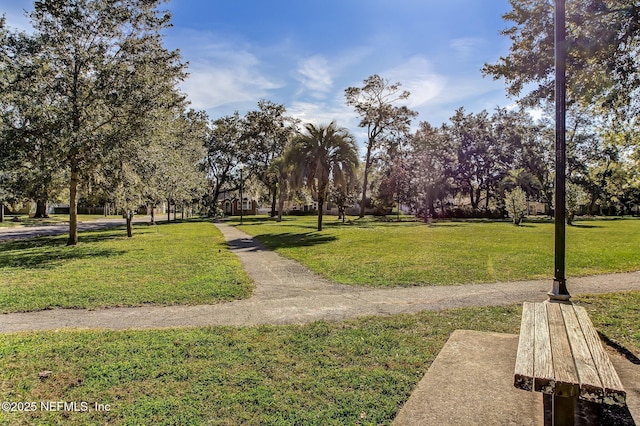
x=280, y=171
x=321, y=155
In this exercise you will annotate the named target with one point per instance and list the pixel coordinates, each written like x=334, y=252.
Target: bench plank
x=591, y=388
x=523, y=376
x=544, y=380
x=560, y=353
x=567, y=380
x=614, y=392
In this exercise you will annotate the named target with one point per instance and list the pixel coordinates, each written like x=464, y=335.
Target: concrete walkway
x=288, y=293
x=471, y=383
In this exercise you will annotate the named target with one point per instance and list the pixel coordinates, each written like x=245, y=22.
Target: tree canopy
x=319, y=156
x=386, y=122
x=97, y=70
x=603, y=37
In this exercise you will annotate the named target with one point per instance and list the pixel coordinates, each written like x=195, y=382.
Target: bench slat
x=523, y=376
x=614, y=392
x=543, y=362
x=560, y=353
x=567, y=381
x=591, y=388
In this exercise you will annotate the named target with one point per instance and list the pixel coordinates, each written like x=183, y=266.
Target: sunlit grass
x=182, y=263
x=369, y=252
x=353, y=372
x=53, y=219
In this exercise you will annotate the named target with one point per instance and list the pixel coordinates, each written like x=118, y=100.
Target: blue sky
x=304, y=53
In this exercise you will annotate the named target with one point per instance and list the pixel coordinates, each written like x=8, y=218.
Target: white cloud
x=224, y=74
x=417, y=77
x=536, y=113
x=466, y=46
x=315, y=74
x=467, y=88
x=323, y=113
x=436, y=95
x=210, y=86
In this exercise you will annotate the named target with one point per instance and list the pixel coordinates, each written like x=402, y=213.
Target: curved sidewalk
x=288, y=293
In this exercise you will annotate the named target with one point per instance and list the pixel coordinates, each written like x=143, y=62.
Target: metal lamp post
x=241, y=166
x=559, y=291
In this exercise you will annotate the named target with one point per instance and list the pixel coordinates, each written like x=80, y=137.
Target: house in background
x=231, y=206
x=230, y=203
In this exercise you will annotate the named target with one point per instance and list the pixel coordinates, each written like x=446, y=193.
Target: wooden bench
x=560, y=354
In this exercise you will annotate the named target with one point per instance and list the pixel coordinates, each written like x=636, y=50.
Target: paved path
x=288, y=293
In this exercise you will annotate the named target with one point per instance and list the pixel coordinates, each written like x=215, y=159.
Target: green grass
x=180, y=263
x=353, y=372
x=375, y=253
x=53, y=219
x=617, y=317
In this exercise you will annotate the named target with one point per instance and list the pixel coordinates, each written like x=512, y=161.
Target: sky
x=305, y=53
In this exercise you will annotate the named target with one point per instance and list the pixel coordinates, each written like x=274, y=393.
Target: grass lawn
x=353, y=372
x=53, y=219
x=369, y=252
x=179, y=263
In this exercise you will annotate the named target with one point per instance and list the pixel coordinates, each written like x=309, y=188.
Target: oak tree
x=376, y=102
x=104, y=67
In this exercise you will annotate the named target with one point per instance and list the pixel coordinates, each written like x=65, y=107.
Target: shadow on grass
x=630, y=356
x=50, y=251
x=286, y=221
x=34, y=224
x=44, y=259
x=581, y=225
x=275, y=241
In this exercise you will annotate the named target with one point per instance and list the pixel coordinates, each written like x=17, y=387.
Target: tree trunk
x=1, y=211
x=280, y=201
x=41, y=209
x=129, y=224
x=478, y=195
x=73, y=206
x=168, y=210
x=74, y=166
x=273, y=201
x=320, y=208
x=472, y=195
x=365, y=182
x=432, y=203
x=153, y=217
x=429, y=204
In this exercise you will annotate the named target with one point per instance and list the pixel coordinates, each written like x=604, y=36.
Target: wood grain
x=544, y=377
x=523, y=375
x=591, y=388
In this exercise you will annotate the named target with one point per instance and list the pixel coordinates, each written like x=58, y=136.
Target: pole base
x=559, y=292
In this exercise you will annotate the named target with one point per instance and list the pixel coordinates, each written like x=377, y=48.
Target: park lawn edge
x=358, y=371
x=182, y=263
x=374, y=253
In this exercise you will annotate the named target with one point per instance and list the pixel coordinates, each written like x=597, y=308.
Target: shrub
x=516, y=204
